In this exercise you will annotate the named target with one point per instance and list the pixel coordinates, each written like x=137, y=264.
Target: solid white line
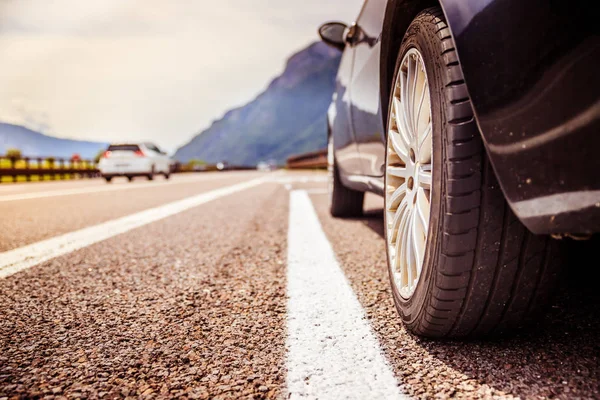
x=107, y=188
x=16, y=260
x=332, y=352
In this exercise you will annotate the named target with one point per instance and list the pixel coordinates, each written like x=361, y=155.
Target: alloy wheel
x=408, y=173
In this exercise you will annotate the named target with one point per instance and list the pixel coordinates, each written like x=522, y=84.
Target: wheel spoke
x=412, y=91
x=396, y=197
x=400, y=248
x=398, y=146
x=400, y=119
x=422, y=207
x=425, y=177
x=419, y=238
x=402, y=209
x=425, y=138
x=408, y=249
x=404, y=96
x=400, y=172
x=420, y=107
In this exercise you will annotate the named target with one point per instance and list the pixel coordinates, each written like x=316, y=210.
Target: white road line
x=302, y=179
x=107, y=188
x=16, y=260
x=332, y=352
x=8, y=187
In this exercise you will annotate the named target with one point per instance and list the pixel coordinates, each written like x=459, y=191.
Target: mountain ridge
x=286, y=118
x=32, y=143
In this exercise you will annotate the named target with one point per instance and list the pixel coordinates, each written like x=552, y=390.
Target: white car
x=134, y=159
x=270, y=165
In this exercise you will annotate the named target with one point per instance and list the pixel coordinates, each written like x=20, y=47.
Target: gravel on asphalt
x=559, y=358
x=192, y=306
x=27, y=221
x=195, y=306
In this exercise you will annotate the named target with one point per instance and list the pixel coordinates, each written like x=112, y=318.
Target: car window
x=152, y=147
x=123, y=147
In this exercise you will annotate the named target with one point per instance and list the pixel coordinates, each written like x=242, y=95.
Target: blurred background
x=217, y=81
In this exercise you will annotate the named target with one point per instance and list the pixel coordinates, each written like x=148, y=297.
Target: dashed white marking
x=16, y=260
x=107, y=188
x=332, y=352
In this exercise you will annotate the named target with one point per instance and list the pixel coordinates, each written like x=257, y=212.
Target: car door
x=340, y=121
x=364, y=92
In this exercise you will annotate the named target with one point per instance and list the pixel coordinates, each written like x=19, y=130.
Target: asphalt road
x=240, y=285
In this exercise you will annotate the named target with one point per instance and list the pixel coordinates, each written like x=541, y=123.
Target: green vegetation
x=98, y=155
x=13, y=153
x=194, y=162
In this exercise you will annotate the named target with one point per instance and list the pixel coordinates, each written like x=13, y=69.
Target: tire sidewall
x=422, y=36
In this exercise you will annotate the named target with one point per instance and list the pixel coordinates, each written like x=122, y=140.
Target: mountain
x=36, y=144
x=288, y=118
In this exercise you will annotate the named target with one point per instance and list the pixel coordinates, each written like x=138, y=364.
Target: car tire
x=108, y=179
x=344, y=202
x=483, y=273
x=130, y=178
x=167, y=175
x=151, y=174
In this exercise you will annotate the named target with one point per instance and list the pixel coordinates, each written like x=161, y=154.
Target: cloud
x=148, y=69
x=76, y=18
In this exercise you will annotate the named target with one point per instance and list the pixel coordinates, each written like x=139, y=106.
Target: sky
x=146, y=70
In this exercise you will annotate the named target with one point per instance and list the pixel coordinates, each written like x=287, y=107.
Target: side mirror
x=332, y=33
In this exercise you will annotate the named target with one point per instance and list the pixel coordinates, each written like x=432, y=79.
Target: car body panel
x=340, y=123
x=366, y=98
x=531, y=71
x=535, y=89
x=125, y=166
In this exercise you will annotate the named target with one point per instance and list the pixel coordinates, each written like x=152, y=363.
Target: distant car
x=478, y=122
x=134, y=159
x=269, y=165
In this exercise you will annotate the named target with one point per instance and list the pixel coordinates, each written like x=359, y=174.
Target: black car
x=478, y=121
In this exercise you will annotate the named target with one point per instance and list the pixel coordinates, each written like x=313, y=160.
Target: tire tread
x=491, y=274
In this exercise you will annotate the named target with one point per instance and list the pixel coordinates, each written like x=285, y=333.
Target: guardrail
x=178, y=167
x=45, y=167
x=24, y=168
x=314, y=159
